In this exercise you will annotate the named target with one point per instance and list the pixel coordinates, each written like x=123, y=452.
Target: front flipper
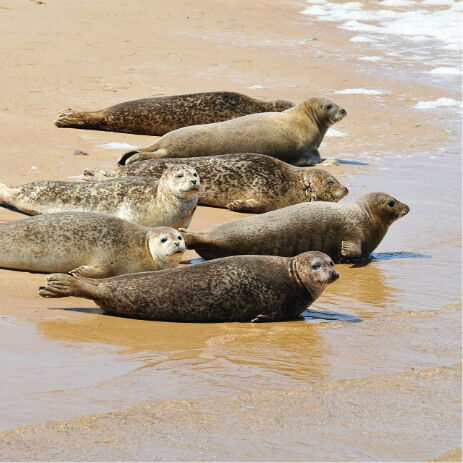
x=244, y=205
x=261, y=318
x=90, y=272
x=328, y=163
x=351, y=249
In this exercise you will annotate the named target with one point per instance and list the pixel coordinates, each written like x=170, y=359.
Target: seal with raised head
x=170, y=201
x=88, y=244
x=293, y=136
x=343, y=231
x=159, y=115
x=238, y=288
x=243, y=182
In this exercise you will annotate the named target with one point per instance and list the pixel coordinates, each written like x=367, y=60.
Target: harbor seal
x=88, y=244
x=243, y=182
x=343, y=231
x=171, y=201
x=159, y=115
x=293, y=135
x=238, y=288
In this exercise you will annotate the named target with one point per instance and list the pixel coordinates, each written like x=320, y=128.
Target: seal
x=238, y=288
x=343, y=231
x=159, y=115
x=88, y=244
x=245, y=182
x=293, y=136
x=171, y=201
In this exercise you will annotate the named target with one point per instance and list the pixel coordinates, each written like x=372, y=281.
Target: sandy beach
x=371, y=373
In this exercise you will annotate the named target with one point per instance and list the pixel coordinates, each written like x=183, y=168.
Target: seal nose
x=193, y=182
x=343, y=112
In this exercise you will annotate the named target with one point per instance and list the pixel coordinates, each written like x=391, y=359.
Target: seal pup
x=343, y=231
x=159, y=115
x=238, y=288
x=245, y=182
x=293, y=136
x=88, y=244
x=170, y=201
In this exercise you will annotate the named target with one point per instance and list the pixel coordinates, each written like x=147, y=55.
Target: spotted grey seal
x=340, y=230
x=293, y=135
x=238, y=288
x=245, y=182
x=88, y=244
x=162, y=114
x=170, y=201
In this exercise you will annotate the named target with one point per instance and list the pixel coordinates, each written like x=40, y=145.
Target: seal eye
x=316, y=266
x=328, y=107
x=328, y=184
x=331, y=264
x=179, y=175
x=179, y=238
x=391, y=203
x=195, y=174
x=163, y=240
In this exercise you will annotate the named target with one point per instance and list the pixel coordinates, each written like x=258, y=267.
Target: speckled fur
x=89, y=244
x=244, y=182
x=159, y=115
x=340, y=230
x=293, y=135
x=239, y=288
x=170, y=201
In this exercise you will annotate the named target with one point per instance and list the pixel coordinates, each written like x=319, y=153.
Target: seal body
x=293, y=135
x=170, y=201
x=87, y=244
x=239, y=288
x=244, y=182
x=340, y=230
x=159, y=115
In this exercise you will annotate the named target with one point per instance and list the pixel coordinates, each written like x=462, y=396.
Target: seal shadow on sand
x=383, y=257
x=307, y=315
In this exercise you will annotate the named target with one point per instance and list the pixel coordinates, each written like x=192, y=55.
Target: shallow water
x=371, y=372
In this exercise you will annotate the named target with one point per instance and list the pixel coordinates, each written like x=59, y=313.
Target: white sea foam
x=441, y=102
x=258, y=87
x=370, y=58
x=360, y=91
x=361, y=39
x=446, y=71
x=415, y=20
x=117, y=146
x=335, y=133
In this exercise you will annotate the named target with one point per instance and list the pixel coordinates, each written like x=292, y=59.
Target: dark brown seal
x=340, y=230
x=93, y=245
x=293, y=136
x=239, y=288
x=243, y=182
x=171, y=201
x=159, y=115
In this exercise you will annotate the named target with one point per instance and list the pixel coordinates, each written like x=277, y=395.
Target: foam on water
x=432, y=24
x=360, y=91
x=441, y=102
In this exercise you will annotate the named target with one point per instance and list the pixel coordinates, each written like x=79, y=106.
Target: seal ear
x=123, y=160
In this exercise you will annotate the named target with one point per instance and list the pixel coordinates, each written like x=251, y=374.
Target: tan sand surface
x=374, y=373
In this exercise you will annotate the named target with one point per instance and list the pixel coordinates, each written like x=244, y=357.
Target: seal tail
x=65, y=285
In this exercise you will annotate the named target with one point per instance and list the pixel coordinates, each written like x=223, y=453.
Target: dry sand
x=81, y=386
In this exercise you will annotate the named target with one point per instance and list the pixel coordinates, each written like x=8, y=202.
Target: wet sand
x=373, y=372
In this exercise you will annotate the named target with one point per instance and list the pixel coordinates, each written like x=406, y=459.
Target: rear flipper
x=65, y=285
x=141, y=154
x=245, y=205
x=6, y=194
x=193, y=240
x=69, y=118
